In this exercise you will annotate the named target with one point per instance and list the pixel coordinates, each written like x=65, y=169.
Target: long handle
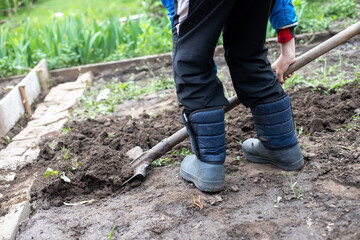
x=301, y=61
x=324, y=47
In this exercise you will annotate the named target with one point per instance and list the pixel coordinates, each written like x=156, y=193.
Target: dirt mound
x=92, y=153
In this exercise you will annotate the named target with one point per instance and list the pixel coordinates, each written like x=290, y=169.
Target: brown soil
x=162, y=207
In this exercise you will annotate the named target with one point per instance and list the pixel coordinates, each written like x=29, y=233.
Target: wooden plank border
x=11, y=106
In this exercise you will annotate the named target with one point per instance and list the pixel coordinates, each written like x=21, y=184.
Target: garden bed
x=92, y=153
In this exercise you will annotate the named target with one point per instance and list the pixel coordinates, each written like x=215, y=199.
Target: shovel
x=139, y=164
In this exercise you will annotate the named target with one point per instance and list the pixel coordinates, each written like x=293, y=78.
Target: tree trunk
x=15, y=7
x=9, y=7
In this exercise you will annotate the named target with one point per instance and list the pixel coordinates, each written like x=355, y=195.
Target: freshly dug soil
x=97, y=155
x=329, y=181
x=97, y=148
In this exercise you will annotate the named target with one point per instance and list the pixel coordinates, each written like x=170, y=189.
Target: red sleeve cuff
x=284, y=35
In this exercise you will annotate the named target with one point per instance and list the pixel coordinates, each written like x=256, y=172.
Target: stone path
x=47, y=120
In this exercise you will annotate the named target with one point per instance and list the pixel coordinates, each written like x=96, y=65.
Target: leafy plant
x=111, y=135
x=50, y=172
x=53, y=145
x=185, y=152
x=297, y=191
x=64, y=130
x=160, y=162
x=66, y=153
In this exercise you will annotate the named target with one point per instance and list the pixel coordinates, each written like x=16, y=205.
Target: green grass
x=75, y=41
x=319, y=15
x=43, y=11
x=90, y=31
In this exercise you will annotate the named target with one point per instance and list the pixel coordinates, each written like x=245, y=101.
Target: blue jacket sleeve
x=169, y=5
x=283, y=15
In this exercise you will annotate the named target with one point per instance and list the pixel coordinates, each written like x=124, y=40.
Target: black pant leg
x=197, y=85
x=246, y=55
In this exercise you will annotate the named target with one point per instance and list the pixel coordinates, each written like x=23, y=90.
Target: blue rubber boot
x=205, y=168
x=276, y=141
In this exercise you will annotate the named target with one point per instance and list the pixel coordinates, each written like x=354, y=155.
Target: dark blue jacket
x=282, y=16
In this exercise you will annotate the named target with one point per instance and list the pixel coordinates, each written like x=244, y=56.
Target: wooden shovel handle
x=324, y=47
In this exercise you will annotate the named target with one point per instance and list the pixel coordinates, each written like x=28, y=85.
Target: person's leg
x=197, y=27
x=257, y=86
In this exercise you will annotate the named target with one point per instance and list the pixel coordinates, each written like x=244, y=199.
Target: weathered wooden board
x=11, y=106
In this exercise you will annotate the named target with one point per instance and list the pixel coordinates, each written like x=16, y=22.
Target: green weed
x=74, y=40
x=318, y=15
x=332, y=77
x=66, y=153
x=160, y=162
x=64, y=130
x=50, y=172
x=185, y=152
x=111, y=135
x=297, y=191
x=53, y=145
x=112, y=232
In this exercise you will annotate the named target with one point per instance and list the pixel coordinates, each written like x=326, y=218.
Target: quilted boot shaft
x=274, y=124
x=206, y=129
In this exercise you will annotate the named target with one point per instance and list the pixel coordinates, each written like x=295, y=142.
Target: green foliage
x=319, y=15
x=66, y=153
x=160, y=162
x=64, y=130
x=6, y=10
x=297, y=191
x=75, y=41
x=112, y=232
x=185, y=152
x=50, y=172
x=331, y=76
x=111, y=135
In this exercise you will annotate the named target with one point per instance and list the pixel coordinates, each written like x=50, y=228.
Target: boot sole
x=205, y=186
x=288, y=167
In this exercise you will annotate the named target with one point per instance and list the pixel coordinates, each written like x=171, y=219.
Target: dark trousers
x=243, y=23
